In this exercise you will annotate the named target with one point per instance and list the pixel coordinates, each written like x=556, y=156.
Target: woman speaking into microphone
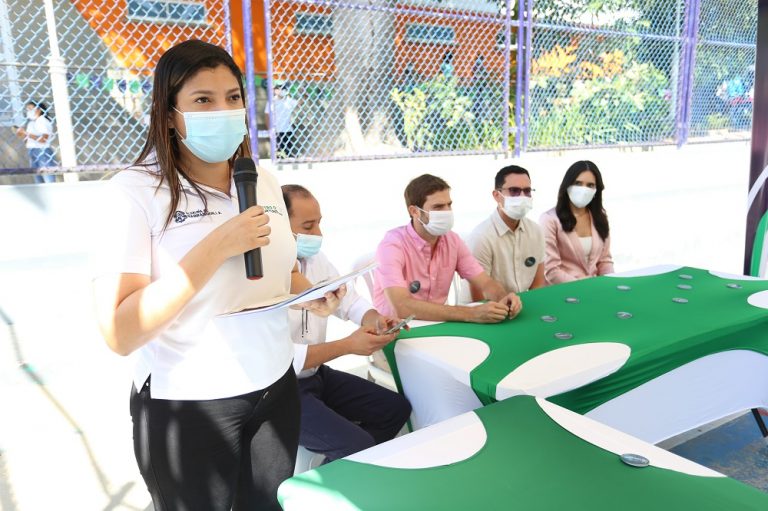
x=214, y=402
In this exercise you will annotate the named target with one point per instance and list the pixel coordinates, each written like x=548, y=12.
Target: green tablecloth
x=528, y=462
x=661, y=333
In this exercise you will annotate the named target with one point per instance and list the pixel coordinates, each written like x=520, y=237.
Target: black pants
x=342, y=414
x=286, y=144
x=218, y=454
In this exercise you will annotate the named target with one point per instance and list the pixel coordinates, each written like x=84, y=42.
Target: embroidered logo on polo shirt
x=272, y=209
x=181, y=216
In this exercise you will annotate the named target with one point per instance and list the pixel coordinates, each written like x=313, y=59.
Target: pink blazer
x=564, y=259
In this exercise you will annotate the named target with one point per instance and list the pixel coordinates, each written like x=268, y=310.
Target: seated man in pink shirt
x=417, y=262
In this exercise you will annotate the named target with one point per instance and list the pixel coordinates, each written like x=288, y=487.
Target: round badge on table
x=634, y=460
x=684, y=286
x=571, y=300
x=623, y=315
x=563, y=336
x=548, y=319
x=733, y=285
x=680, y=300
x=685, y=276
x=623, y=288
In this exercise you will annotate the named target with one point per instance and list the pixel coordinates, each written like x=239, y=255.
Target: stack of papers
x=316, y=291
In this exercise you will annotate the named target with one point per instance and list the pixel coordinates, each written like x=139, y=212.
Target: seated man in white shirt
x=340, y=413
x=509, y=246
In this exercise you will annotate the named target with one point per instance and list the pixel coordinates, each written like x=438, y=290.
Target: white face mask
x=31, y=115
x=214, y=136
x=307, y=245
x=440, y=222
x=581, y=196
x=517, y=207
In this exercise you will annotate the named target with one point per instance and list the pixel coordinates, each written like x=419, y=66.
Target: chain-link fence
x=601, y=76
x=724, y=73
x=376, y=78
x=384, y=78
x=87, y=64
x=358, y=78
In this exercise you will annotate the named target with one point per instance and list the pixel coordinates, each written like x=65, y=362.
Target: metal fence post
x=527, y=72
x=9, y=55
x=58, y=70
x=270, y=81
x=687, y=68
x=519, y=78
x=682, y=84
x=228, y=26
x=507, y=78
x=250, y=84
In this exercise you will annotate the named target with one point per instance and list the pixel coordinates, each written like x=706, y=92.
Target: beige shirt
x=510, y=257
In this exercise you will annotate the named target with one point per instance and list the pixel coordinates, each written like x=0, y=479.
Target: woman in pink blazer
x=576, y=238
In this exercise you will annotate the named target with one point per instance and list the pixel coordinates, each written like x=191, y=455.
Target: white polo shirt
x=308, y=328
x=510, y=257
x=283, y=113
x=40, y=126
x=200, y=356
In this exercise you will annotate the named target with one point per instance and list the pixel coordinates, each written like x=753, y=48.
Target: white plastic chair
x=361, y=262
x=376, y=364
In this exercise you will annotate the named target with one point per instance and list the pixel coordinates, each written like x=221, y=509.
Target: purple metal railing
x=688, y=60
x=507, y=65
x=527, y=71
x=250, y=79
x=270, y=81
x=521, y=29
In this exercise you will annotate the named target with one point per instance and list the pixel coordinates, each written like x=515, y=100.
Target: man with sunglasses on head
x=509, y=246
x=417, y=262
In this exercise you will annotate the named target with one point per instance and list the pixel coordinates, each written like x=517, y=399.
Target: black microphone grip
x=245, y=180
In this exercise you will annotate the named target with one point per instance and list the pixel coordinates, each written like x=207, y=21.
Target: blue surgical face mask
x=307, y=245
x=214, y=136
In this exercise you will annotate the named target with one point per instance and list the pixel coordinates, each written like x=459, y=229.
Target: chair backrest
x=361, y=262
x=461, y=292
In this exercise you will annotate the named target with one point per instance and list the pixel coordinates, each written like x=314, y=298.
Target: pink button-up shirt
x=405, y=257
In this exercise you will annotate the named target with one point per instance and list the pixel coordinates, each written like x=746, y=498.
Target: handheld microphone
x=245, y=181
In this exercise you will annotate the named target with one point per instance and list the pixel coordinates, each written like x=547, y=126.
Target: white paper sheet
x=313, y=293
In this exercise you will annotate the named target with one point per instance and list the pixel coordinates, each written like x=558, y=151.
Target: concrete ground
x=735, y=448
x=65, y=433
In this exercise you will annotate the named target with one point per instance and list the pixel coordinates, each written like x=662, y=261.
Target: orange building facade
x=137, y=43
x=464, y=37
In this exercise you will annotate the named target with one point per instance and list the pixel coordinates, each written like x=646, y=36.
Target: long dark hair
x=175, y=67
x=563, y=208
x=40, y=105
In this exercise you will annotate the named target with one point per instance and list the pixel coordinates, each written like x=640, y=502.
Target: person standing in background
x=38, y=135
x=283, y=107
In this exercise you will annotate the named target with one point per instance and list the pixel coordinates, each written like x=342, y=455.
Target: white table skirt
x=435, y=375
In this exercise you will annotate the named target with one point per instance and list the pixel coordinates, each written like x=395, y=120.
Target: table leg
x=760, y=422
